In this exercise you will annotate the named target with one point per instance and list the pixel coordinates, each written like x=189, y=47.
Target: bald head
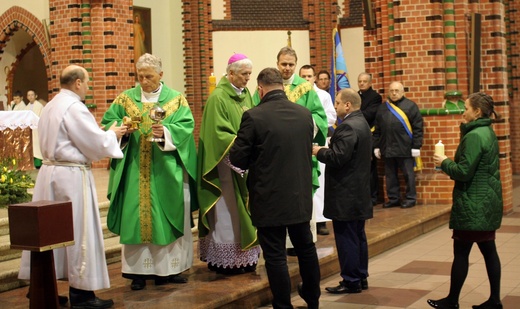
x=396, y=90
x=75, y=79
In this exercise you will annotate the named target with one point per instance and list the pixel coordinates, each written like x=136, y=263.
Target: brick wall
x=19, y=19
x=98, y=36
x=425, y=45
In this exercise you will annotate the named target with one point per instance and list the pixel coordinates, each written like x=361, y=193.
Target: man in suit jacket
x=274, y=142
x=347, y=190
x=370, y=102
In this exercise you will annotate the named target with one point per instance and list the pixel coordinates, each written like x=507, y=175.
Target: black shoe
x=177, y=279
x=364, y=284
x=62, y=300
x=407, y=204
x=160, y=281
x=391, y=204
x=442, y=304
x=345, y=288
x=231, y=271
x=321, y=228
x=489, y=304
x=250, y=268
x=95, y=303
x=138, y=284
x=291, y=252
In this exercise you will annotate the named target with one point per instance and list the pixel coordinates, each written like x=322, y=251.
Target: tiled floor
x=408, y=275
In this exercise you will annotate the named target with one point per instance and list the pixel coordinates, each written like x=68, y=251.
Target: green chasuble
x=146, y=187
x=302, y=93
x=220, y=123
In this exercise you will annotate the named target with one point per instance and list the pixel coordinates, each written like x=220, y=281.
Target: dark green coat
x=477, y=195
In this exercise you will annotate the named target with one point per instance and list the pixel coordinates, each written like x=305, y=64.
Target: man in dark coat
x=274, y=142
x=370, y=102
x=347, y=190
x=398, y=144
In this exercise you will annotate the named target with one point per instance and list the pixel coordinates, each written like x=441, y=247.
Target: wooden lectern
x=39, y=227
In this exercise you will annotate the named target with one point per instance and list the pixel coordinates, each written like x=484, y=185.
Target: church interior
x=441, y=51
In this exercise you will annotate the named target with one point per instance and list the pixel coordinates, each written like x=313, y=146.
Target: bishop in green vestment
x=150, y=200
x=227, y=238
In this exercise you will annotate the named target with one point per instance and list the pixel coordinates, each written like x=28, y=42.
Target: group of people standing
x=34, y=105
x=252, y=179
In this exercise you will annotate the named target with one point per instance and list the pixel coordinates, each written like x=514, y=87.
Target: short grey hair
x=237, y=65
x=149, y=61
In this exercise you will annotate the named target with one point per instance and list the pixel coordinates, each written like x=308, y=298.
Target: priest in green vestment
x=149, y=189
x=227, y=238
x=301, y=92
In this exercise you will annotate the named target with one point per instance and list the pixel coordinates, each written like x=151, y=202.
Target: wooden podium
x=40, y=227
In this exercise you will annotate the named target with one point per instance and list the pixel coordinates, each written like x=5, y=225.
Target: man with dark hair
x=370, y=102
x=307, y=72
x=17, y=104
x=323, y=80
x=280, y=191
x=70, y=141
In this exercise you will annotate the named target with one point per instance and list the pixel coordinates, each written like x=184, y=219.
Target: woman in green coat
x=477, y=199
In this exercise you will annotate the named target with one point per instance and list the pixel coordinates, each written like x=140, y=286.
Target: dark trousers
x=392, y=181
x=272, y=241
x=352, y=247
x=374, y=181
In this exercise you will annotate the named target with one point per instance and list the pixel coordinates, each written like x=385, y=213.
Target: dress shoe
x=250, y=268
x=161, y=281
x=321, y=228
x=138, y=284
x=231, y=271
x=62, y=300
x=442, y=304
x=391, y=204
x=407, y=204
x=300, y=292
x=178, y=279
x=95, y=303
x=489, y=304
x=291, y=252
x=345, y=288
x=364, y=284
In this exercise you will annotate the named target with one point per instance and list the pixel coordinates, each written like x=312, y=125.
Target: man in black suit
x=347, y=191
x=274, y=142
x=370, y=102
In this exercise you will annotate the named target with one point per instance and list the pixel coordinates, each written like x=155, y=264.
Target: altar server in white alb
x=70, y=141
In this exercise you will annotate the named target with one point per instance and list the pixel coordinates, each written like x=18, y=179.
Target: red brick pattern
x=16, y=19
x=423, y=44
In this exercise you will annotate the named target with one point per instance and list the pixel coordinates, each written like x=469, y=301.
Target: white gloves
x=416, y=152
x=377, y=153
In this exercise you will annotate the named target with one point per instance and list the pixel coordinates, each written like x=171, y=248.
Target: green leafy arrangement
x=13, y=183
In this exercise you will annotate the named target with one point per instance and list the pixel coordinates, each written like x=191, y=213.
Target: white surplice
x=70, y=138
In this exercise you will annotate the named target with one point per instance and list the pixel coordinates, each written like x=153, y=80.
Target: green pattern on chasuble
x=220, y=123
x=146, y=187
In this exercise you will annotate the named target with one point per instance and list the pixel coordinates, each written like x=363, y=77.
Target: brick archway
x=17, y=18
